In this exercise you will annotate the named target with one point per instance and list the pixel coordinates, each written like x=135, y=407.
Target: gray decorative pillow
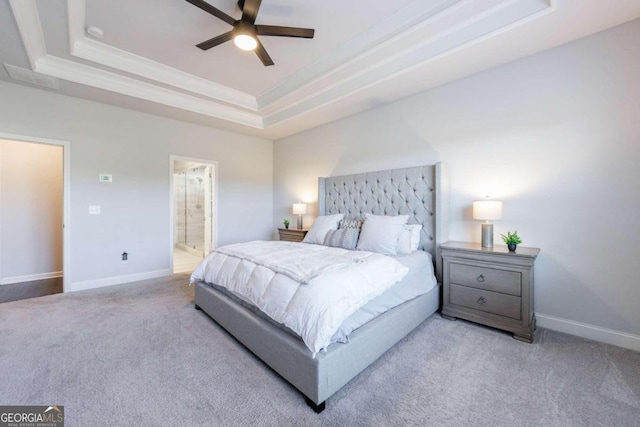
x=350, y=223
x=346, y=238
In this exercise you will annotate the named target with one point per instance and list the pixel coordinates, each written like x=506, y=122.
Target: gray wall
x=135, y=148
x=30, y=211
x=556, y=136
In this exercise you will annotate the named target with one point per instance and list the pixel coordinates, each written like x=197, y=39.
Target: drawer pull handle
x=481, y=300
x=480, y=278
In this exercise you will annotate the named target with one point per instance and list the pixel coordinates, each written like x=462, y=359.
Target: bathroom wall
x=30, y=211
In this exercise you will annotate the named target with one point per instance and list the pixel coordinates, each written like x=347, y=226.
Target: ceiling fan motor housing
x=245, y=32
x=244, y=28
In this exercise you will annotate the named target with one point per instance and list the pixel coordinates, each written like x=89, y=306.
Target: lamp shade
x=487, y=209
x=299, y=208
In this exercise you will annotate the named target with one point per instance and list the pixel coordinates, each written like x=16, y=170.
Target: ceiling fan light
x=245, y=42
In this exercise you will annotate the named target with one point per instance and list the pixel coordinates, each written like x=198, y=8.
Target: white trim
x=76, y=11
x=66, y=196
x=592, y=332
x=95, y=77
x=117, y=280
x=109, y=56
x=31, y=277
x=366, y=73
x=348, y=53
x=214, y=189
x=28, y=21
x=83, y=47
x=374, y=57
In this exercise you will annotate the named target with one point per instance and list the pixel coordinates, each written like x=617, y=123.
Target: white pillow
x=380, y=233
x=409, y=239
x=321, y=227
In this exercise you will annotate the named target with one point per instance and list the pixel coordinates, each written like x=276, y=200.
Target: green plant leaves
x=511, y=238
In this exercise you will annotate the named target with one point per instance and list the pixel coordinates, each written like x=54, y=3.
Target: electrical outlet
x=94, y=209
x=125, y=257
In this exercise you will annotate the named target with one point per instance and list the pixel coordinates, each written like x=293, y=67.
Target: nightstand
x=491, y=286
x=292, y=234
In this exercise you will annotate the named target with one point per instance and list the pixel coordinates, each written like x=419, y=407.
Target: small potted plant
x=512, y=240
x=286, y=223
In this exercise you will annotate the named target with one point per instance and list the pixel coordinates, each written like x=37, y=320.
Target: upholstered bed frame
x=420, y=192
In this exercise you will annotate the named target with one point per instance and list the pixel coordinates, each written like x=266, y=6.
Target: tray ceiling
x=365, y=52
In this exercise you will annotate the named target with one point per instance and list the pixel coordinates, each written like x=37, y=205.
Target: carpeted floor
x=139, y=354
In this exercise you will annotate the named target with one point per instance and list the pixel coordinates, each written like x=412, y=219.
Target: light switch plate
x=106, y=177
x=94, y=209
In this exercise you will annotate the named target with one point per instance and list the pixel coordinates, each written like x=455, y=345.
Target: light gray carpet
x=139, y=354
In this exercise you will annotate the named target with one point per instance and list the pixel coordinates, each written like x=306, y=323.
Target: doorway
x=193, y=191
x=33, y=209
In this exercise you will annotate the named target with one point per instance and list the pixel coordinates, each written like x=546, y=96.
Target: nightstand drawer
x=292, y=234
x=490, y=302
x=492, y=279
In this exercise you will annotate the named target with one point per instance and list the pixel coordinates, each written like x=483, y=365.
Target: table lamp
x=299, y=209
x=487, y=210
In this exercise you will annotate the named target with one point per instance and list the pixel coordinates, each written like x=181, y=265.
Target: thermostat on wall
x=106, y=177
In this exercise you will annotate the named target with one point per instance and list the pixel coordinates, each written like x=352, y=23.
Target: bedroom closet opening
x=31, y=219
x=193, y=193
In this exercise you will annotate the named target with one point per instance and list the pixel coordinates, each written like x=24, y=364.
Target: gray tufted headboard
x=420, y=192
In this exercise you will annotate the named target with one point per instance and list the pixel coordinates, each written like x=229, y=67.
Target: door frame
x=66, y=178
x=214, y=202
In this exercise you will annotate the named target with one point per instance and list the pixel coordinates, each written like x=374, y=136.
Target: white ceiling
x=365, y=52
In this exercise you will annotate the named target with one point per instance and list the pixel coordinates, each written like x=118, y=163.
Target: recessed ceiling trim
x=439, y=25
x=28, y=76
x=474, y=29
x=76, y=12
x=28, y=20
x=101, y=79
x=101, y=53
x=110, y=56
x=381, y=54
x=349, y=52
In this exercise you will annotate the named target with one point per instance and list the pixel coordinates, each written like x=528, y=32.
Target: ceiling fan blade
x=212, y=10
x=216, y=41
x=250, y=10
x=263, y=55
x=274, y=30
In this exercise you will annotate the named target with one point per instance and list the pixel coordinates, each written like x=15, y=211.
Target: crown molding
x=462, y=26
x=101, y=79
x=414, y=37
x=350, y=52
x=118, y=59
x=76, y=12
x=28, y=21
x=85, y=48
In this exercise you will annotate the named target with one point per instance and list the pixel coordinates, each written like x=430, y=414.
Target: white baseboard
x=116, y=280
x=585, y=330
x=30, y=277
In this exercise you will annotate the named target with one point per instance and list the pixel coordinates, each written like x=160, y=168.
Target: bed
x=420, y=192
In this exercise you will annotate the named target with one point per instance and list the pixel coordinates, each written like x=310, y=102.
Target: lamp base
x=487, y=235
x=299, y=222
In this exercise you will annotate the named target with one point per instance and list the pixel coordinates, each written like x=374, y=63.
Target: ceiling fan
x=245, y=30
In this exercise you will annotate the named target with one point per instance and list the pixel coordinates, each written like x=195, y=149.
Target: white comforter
x=331, y=283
